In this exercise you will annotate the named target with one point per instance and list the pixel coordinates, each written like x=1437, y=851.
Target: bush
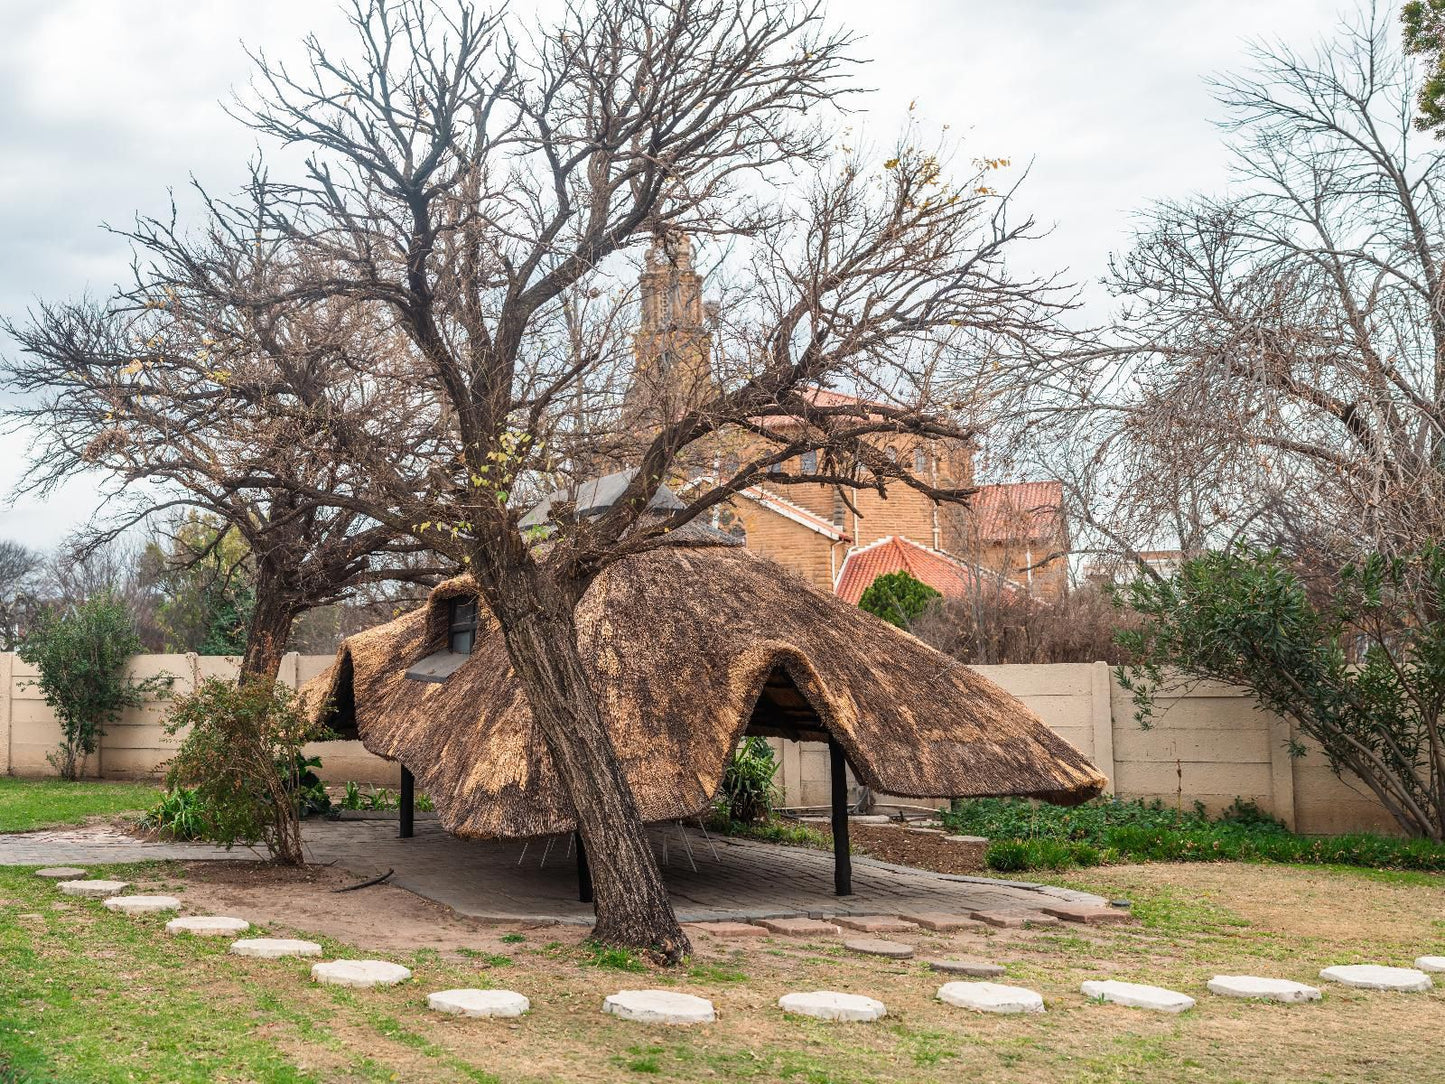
x=897, y=597
x=1028, y=836
x=178, y=815
x=81, y=653
x=747, y=794
x=242, y=756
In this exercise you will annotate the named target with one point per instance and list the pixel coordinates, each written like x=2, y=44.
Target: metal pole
x=408, y=803
x=842, y=862
x=584, y=873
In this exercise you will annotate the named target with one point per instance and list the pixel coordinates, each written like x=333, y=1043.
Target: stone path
x=748, y=880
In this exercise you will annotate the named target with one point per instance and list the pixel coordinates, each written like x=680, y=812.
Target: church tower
x=673, y=346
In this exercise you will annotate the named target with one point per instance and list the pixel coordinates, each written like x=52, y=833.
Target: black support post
x=842, y=862
x=408, y=803
x=584, y=873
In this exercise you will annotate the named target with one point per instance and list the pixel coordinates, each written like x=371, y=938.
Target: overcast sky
x=104, y=105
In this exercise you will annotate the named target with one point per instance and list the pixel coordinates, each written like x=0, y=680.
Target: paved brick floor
x=744, y=880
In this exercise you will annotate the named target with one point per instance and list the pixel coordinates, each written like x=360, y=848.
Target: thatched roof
x=688, y=649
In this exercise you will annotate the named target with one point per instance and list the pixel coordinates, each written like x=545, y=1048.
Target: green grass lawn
x=89, y=995
x=26, y=804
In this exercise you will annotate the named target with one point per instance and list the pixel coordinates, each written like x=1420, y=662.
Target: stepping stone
x=728, y=929
x=61, y=873
x=940, y=921
x=1092, y=916
x=873, y=946
x=798, y=927
x=142, y=905
x=478, y=1002
x=978, y=969
x=1430, y=963
x=1248, y=986
x=96, y=889
x=359, y=974
x=207, y=925
x=828, y=1005
x=875, y=923
x=274, y=948
x=990, y=997
x=977, y=840
x=1375, y=977
x=1015, y=920
x=1138, y=996
x=659, y=1007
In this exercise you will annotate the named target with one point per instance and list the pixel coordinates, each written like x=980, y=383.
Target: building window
x=462, y=630
x=810, y=462
x=920, y=461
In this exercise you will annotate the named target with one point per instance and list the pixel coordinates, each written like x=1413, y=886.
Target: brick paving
x=745, y=880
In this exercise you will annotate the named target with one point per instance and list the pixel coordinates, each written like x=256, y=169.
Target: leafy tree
x=81, y=652
x=19, y=575
x=897, y=597
x=203, y=573
x=1360, y=669
x=242, y=757
x=1425, y=37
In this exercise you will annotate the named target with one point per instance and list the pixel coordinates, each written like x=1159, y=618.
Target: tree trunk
x=630, y=899
x=269, y=628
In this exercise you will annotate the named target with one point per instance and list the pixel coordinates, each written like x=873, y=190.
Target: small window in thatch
x=462, y=627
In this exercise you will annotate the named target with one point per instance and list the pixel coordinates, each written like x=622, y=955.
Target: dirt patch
x=305, y=900
x=912, y=848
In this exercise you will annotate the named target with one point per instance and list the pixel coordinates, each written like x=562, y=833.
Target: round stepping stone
x=142, y=905
x=1430, y=963
x=829, y=1005
x=1138, y=996
x=359, y=974
x=872, y=946
x=61, y=873
x=1375, y=977
x=978, y=969
x=659, y=1007
x=1250, y=986
x=990, y=997
x=97, y=889
x=478, y=1002
x=274, y=948
x=207, y=925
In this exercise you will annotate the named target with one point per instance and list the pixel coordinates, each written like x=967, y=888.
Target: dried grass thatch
x=688, y=650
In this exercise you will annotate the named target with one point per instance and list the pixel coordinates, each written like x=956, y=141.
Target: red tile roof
x=862, y=566
x=1018, y=511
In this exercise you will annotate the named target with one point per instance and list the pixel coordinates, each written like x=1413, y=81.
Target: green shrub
x=242, y=755
x=178, y=814
x=897, y=597
x=1025, y=835
x=81, y=652
x=747, y=794
x=1007, y=855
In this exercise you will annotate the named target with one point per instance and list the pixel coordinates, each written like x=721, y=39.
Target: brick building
x=1014, y=533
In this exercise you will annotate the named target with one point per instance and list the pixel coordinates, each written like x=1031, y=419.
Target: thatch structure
x=689, y=649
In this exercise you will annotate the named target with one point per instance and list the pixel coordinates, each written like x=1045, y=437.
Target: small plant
x=371, y=800
x=81, y=652
x=178, y=815
x=242, y=756
x=747, y=794
x=306, y=786
x=424, y=804
x=618, y=959
x=513, y=938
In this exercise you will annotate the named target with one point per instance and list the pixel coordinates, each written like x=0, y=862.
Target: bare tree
x=19, y=583
x=1281, y=369
x=187, y=403
x=484, y=188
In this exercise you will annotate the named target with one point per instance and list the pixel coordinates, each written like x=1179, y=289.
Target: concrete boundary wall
x=1208, y=742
